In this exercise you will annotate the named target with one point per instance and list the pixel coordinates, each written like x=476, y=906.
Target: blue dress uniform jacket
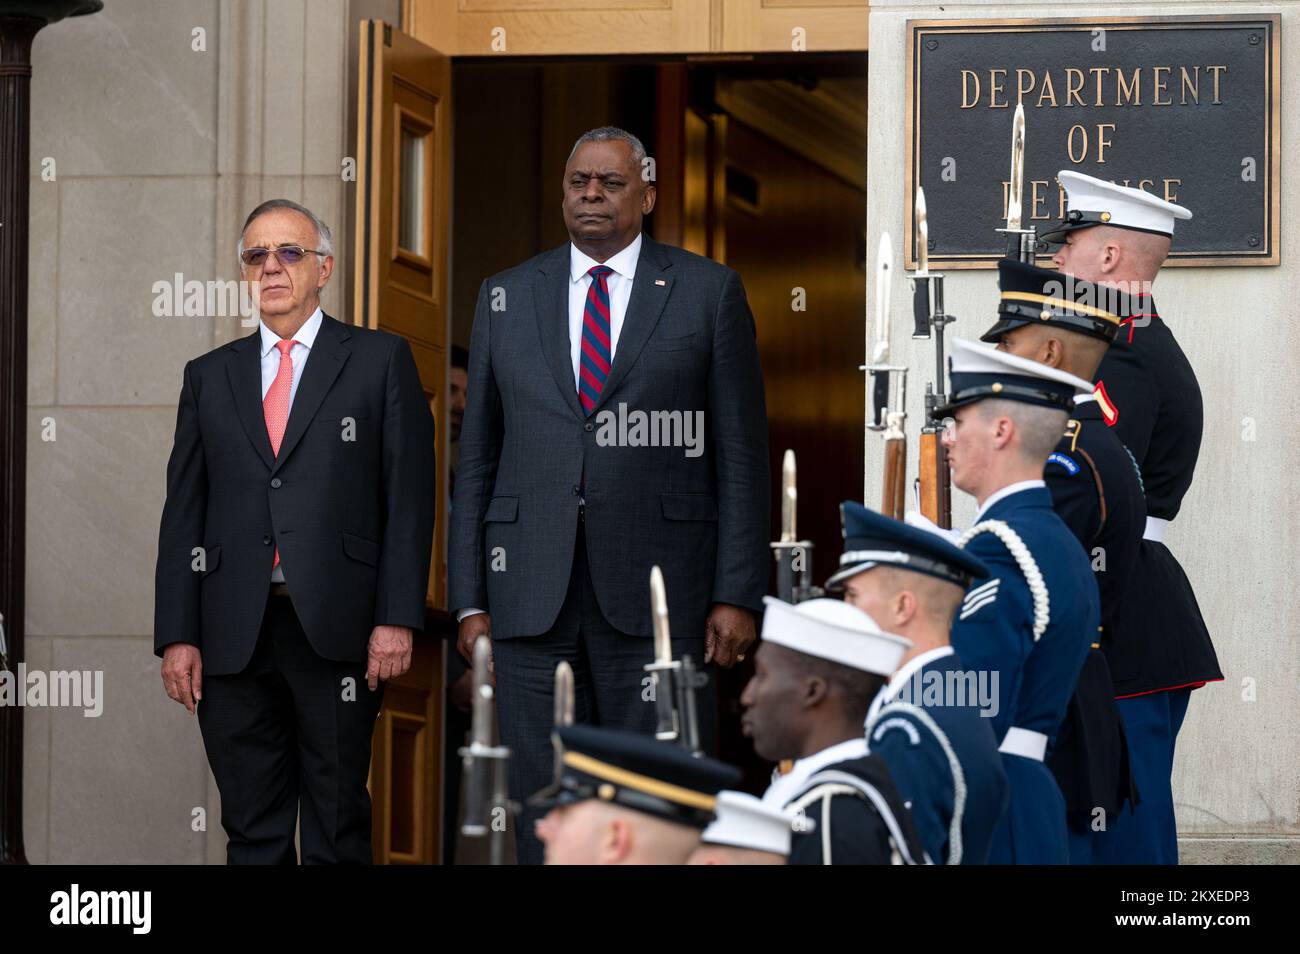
x=944, y=759
x=1097, y=491
x=995, y=631
x=857, y=817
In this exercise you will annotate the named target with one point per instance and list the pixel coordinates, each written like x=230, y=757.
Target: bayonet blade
x=922, y=236
x=564, y=702
x=1015, y=200
x=884, y=275
x=481, y=729
x=789, y=498
x=661, y=670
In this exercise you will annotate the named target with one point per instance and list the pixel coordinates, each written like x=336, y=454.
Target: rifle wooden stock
x=893, y=500
x=935, y=479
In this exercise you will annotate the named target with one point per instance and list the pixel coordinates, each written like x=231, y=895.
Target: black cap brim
x=1056, y=235
x=1003, y=325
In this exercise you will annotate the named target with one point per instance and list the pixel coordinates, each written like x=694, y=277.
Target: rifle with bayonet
x=1022, y=243
x=487, y=805
x=563, y=714
x=889, y=391
x=934, y=477
x=673, y=681
x=793, y=556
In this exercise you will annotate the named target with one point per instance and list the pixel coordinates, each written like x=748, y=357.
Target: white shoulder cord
x=954, y=766
x=828, y=783
x=1025, y=560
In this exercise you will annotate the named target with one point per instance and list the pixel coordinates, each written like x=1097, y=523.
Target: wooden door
x=402, y=254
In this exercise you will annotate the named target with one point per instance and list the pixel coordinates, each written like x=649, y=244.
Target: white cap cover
x=1091, y=201
x=743, y=821
x=834, y=630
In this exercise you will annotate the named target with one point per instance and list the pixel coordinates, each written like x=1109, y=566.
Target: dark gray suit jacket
x=687, y=344
x=353, y=519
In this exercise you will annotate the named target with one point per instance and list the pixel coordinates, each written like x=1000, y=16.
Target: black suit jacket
x=349, y=500
x=687, y=345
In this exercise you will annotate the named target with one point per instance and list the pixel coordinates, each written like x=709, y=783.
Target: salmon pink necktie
x=275, y=406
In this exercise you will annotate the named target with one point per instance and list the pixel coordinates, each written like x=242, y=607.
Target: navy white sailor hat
x=1033, y=296
x=833, y=630
x=743, y=821
x=872, y=539
x=976, y=373
x=1091, y=201
x=636, y=771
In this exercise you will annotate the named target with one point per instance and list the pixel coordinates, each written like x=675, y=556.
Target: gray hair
x=611, y=134
x=324, y=240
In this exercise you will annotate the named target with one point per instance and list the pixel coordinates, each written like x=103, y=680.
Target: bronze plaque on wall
x=1183, y=107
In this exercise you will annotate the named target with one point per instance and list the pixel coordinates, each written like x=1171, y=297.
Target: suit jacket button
x=589, y=427
x=266, y=540
x=275, y=482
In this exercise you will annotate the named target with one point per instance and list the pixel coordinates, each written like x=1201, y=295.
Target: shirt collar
x=623, y=263
x=305, y=336
x=1005, y=492
x=785, y=787
x=914, y=665
x=1085, y=398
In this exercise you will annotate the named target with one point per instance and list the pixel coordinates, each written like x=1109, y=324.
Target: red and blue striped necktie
x=597, y=352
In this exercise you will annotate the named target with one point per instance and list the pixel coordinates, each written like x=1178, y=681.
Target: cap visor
x=849, y=571
x=1056, y=234
x=550, y=796
x=994, y=334
x=939, y=413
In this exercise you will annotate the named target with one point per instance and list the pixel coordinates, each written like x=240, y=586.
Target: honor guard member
x=1060, y=321
x=926, y=722
x=817, y=668
x=624, y=798
x=744, y=831
x=1118, y=238
x=1032, y=623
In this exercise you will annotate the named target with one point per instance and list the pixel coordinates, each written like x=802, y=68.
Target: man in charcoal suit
x=615, y=422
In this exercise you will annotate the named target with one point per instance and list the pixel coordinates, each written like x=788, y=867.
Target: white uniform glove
x=914, y=518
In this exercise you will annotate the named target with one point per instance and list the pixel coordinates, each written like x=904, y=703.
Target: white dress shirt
x=785, y=787
x=303, y=339
x=620, y=292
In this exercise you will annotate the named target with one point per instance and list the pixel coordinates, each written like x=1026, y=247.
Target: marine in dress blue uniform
x=816, y=669
x=1161, y=650
x=926, y=723
x=1034, y=620
x=1096, y=489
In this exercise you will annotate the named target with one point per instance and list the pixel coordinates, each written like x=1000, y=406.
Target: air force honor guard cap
x=976, y=373
x=1092, y=202
x=637, y=772
x=1034, y=296
x=834, y=630
x=744, y=821
x=872, y=539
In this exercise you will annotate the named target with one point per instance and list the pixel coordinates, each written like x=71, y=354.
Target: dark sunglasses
x=287, y=254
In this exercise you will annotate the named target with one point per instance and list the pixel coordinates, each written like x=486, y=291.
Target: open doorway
x=761, y=164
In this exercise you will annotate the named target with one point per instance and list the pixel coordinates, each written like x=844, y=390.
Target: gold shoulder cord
x=1072, y=430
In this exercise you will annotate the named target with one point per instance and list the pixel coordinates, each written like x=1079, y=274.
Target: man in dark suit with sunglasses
x=294, y=551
